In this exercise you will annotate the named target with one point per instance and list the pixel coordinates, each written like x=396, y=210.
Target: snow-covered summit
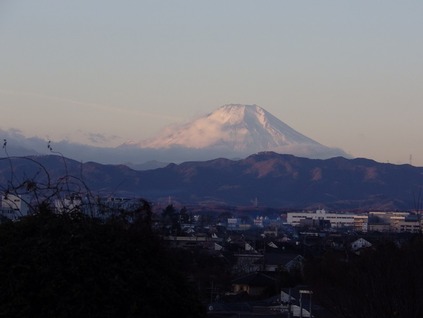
x=238, y=129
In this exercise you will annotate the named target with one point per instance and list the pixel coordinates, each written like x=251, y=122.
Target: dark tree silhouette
x=86, y=261
x=385, y=281
x=71, y=265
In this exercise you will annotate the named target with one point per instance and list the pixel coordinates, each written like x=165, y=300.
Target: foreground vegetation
x=383, y=281
x=71, y=265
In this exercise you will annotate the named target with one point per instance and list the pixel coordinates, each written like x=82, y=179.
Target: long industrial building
x=371, y=221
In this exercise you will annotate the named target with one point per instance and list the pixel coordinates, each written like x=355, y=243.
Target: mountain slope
x=236, y=130
x=281, y=181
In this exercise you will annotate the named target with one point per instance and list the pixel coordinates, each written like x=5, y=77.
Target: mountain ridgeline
x=267, y=179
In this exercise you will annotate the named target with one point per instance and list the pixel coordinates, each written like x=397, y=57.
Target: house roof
x=257, y=279
x=277, y=258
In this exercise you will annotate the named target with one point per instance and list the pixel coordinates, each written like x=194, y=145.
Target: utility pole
x=289, y=304
x=305, y=291
x=309, y=310
x=301, y=304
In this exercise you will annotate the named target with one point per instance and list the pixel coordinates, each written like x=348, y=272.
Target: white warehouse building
x=337, y=220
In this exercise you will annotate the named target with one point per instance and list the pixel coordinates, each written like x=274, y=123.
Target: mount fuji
x=233, y=131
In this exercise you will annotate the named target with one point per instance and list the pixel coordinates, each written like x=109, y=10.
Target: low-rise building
x=373, y=221
x=394, y=222
x=14, y=206
x=68, y=204
x=361, y=223
x=337, y=220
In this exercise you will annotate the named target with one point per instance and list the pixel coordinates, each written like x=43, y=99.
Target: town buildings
x=373, y=221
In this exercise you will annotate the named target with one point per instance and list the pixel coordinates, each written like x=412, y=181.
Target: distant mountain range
x=265, y=179
x=232, y=131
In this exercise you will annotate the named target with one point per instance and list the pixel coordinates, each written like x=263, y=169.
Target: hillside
x=267, y=179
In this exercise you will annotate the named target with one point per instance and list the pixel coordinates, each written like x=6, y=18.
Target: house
x=295, y=263
x=14, y=206
x=360, y=244
x=247, y=262
x=272, y=262
x=254, y=284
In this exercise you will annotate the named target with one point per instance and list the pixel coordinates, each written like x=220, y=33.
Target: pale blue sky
x=347, y=74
